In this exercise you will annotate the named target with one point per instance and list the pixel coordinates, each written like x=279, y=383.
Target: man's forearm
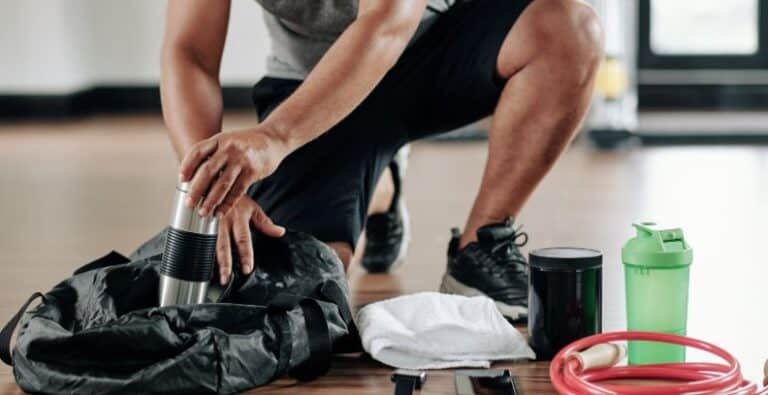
x=192, y=102
x=345, y=75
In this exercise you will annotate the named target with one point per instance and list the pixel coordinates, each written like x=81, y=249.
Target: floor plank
x=74, y=190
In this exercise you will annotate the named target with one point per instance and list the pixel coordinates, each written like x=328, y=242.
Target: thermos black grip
x=189, y=256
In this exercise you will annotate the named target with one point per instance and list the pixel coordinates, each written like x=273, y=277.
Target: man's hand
x=234, y=227
x=222, y=167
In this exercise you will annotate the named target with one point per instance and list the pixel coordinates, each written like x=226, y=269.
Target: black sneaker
x=492, y=266
x=387, y=234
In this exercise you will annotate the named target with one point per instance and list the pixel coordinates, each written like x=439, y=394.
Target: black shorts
x=444, y=80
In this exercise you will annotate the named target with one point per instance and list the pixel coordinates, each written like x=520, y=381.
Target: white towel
x=432, y=330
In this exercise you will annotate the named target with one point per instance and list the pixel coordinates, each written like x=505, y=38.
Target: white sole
x=450, y=285
x=401, y=157
x=406, y=236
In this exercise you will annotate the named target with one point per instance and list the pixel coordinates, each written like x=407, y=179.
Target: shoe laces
x=504, y=255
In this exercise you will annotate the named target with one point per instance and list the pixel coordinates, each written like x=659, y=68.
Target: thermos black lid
x=566, y=258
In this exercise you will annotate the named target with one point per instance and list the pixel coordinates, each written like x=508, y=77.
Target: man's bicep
x=198, y=27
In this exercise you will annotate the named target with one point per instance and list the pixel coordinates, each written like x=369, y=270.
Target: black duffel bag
x=100, y=331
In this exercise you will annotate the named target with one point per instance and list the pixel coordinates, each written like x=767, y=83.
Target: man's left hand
x=222, y=167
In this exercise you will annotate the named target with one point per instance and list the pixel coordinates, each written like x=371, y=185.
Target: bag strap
x=351, y=342
x=320, y=345
x=7, y=332
x=318, y=335
x=277, y=309
x=319, y=361
x=112, y=258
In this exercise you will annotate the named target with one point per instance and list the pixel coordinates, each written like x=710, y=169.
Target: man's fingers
x=224, y=252
x=221, y=187
x=204, y=176
x=195, y=156
x=242, y=235
x=264, y=224
x=237, y=191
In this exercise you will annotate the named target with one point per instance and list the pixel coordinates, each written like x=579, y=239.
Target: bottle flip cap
x=657, y=247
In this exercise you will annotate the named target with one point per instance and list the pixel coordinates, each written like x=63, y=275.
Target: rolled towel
x=433, y=330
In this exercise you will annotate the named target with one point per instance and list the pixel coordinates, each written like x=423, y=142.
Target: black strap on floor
x=7, y=332
x=405, y=385
x=113, y=258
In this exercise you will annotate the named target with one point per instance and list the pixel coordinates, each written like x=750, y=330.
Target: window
x=703, y=34
x=702, y=53
x=704, y=27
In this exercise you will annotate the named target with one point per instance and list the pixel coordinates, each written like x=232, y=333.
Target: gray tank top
x=301, y=31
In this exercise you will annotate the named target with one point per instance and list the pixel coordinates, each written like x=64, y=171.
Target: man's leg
x=382, y=194
x=380, y=203
x=544, y=67
x=548, y=60
x=387, y=228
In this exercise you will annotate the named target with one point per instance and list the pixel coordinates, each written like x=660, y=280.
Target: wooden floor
x=72, y=191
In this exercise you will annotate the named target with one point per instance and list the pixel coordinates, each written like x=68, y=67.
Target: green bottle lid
x=657, y=247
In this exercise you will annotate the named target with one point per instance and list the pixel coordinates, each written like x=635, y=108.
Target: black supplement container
x=564, y=297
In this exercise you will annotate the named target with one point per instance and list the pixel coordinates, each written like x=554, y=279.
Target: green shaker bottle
x=656, y=263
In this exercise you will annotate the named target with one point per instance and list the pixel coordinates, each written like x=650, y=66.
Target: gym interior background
x=676, y=134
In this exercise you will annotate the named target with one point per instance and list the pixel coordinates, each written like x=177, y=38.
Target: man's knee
x=564, y=31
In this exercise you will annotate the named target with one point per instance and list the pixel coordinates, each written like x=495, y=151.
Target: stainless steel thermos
x=189, y=255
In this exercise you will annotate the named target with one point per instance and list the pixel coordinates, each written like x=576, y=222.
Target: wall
x=63, y=46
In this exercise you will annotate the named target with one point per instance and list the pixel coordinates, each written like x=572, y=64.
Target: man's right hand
x=234, y=228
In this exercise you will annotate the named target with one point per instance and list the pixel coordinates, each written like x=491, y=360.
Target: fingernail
x=282, y=230
x=189, y=202
x=223, y=280
x=203, y=212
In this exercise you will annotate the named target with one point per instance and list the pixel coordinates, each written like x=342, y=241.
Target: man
x=349, y=83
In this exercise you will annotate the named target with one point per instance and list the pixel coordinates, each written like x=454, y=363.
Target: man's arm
x=349, y=71
x=195, y=32
x=192, y=107
x=227, y=164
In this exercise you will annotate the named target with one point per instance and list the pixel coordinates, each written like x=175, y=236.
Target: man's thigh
x=324, y=187
x=448, y=77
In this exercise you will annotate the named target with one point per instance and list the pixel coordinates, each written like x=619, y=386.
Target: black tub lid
x=565, y=258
